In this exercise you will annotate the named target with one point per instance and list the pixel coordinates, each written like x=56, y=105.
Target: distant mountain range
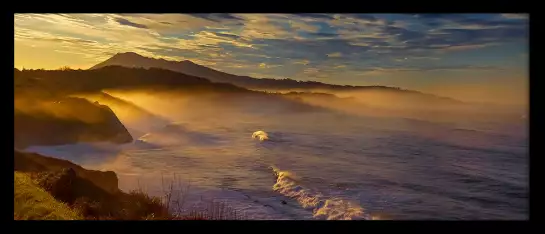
x=131, y=59
x=46, y=83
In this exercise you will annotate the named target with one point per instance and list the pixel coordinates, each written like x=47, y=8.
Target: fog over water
x=325, y=159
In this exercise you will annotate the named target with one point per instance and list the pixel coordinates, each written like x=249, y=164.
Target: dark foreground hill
x=36, y=163
x=55, y=189
x=49, y=188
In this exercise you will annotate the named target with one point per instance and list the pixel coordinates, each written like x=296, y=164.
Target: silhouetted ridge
x=51, y=82
x=193, y=69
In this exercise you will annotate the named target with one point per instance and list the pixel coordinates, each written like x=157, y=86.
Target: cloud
x=311, y=70
x=302, y=26
x=440, y=16
x=315, y=16
x=302, y=62
x=266, y=66
x=515, y=16
x=179, y=24
x=365, y=17
x=216, y=17
x=257, y=26
x=466, y=47
x=173, y=52
x=227, y=35
x=129, y=23
x=211, y=38
x=22, y=34
x=306, y=46
x=335, y=55
x=428, y=68
x=324, y=34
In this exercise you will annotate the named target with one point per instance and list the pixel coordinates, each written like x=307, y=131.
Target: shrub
x=59, y=184
x=65, y=68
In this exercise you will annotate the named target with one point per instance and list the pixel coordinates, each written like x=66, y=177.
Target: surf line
x=323, y=208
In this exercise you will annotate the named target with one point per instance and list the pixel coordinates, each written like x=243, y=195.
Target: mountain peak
x=127, y=54
x=188, y=62
x=133, y=55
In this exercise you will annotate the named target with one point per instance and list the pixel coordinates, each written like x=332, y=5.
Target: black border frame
x=277, y=7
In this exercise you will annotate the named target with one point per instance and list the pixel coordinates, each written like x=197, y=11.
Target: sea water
x=326, y=165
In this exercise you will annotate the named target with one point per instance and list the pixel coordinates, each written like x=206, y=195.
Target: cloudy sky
x=439, y=53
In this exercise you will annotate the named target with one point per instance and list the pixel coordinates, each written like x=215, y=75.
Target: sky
x=475, y=57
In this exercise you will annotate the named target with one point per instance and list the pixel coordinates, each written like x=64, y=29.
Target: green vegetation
x=32, y=202
x=49, y=188
x=93, y=194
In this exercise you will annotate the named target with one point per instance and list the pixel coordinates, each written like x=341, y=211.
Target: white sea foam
x=323, y=207
x=261, y=135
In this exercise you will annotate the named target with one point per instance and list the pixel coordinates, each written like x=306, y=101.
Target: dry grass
x=31, y=202
x=174, y=199
x=50, y=195
x=93, y=202
x=217, y=211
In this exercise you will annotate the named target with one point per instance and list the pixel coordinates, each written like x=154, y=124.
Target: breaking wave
x=323, y=207
x=261, y=135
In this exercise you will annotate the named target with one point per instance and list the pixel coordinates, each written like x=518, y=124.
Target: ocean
x=320, y=164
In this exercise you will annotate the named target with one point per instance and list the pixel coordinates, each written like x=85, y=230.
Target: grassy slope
x=100, y=200
x=32, y=162
x=32, y=202
x=40, y=193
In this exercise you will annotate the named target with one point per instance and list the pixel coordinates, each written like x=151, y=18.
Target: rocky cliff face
x=65, y=120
